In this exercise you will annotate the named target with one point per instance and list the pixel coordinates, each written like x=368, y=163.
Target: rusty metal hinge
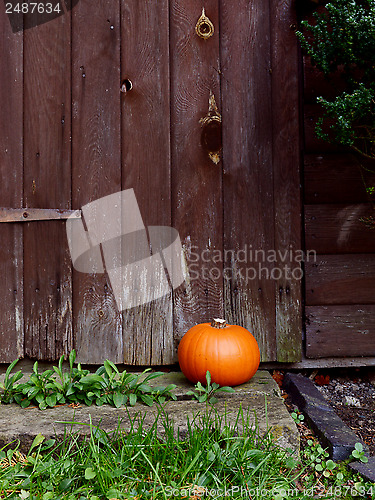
x=36, y=214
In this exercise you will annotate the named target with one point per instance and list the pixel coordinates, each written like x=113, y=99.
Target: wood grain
x=11, y=171
x=337, y=228
x=196, y=181
x=146, y=159
x=96, y=170
x=340, y=279
x=337, y=178
x=286, y=178
x=47, y=126
x=346, y=330
x=248, y=170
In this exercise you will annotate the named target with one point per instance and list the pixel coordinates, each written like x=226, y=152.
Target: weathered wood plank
x=340, y=279
x=148, y=328
x=312, y=143
x=248, y=174
x=11, y=172
x=96, y=151
x=196, y=180
x=36, y=214
x=335, y=228
x=336, y=178
x=47, y=184
x=346, y=330
x=286, y=179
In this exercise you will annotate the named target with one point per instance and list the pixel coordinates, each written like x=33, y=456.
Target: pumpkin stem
x=218, y=323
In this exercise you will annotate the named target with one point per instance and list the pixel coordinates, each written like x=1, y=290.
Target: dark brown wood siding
x=46, y=184
x=339, y=281
x=96, y=163
x=11, y=192
x=71, y=135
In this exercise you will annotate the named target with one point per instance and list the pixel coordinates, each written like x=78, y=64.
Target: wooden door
x=70, y=136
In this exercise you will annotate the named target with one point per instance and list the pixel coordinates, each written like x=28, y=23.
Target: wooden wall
x=69, y=136
x=340, y=282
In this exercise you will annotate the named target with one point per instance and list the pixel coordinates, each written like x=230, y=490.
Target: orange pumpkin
x=229, y=352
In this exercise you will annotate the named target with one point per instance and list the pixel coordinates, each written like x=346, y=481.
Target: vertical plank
x=196, y=180
x=286, y=161
x=11, y=171
x=47, y=184
x=148, y=328
x=249, y=292
x=96, y=168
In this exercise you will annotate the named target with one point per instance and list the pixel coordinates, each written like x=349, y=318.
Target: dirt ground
x=351, y=392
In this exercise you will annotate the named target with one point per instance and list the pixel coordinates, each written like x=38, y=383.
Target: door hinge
x=36, y=214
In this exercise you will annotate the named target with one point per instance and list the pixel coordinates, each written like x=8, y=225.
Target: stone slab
x=366, y=470
x=332, y=431
x=259, y=400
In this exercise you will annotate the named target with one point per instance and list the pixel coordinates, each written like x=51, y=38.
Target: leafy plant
x=106, y=386
x=341, y=44
x=40, y=389
x=359, y=454
x=67, y=379
x=8, y=386
x=297, y=417
x=341, y=41
x=207, y=394
x=316, y=454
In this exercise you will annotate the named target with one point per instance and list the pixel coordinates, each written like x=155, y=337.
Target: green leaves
x=90, y=473
x=341, y=43
x=351, y=117
x=297, y=417
x=106, y=386
x=38, y=440
x=8, y=387
x=359, y=454
x=341, y=35
x=119, y=399
x=207, y=394
x=215, y=456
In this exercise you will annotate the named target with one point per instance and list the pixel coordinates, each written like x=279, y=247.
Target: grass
x=211, y=461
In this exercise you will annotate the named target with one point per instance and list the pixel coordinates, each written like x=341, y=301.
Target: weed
x=207, y=393
x=359, y=454
x=297, y=417
x=106, y=386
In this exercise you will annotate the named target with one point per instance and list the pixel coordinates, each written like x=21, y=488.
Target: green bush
x=341, y=42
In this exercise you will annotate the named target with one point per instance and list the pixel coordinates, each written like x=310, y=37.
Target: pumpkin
x=229, y=352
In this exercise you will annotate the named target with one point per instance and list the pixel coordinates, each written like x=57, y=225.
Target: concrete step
x=259, y=399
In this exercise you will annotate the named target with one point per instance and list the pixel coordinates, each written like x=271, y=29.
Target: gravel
x=352, y=396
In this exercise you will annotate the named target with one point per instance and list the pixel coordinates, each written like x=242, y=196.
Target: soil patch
x=351, y=393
